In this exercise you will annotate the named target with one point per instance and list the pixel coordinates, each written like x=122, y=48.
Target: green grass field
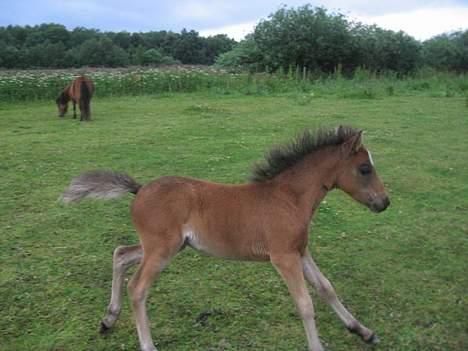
x=403, y=272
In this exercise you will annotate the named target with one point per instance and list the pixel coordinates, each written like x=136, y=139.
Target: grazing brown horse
x=266, y=219
x=80, y=91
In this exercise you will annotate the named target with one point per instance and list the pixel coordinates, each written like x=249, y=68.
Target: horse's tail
x=99, y=184
x=85, y=99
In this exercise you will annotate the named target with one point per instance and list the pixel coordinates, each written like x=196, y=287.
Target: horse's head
x=62, y=104
x=358, y=177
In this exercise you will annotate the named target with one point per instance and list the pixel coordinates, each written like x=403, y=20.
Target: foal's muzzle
x=379, y=204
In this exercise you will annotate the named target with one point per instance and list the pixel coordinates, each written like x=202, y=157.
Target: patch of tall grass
x=40, y=85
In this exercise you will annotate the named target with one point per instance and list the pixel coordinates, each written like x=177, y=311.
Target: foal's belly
x=225, y=248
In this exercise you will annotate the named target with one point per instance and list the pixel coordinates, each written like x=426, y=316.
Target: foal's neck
x=311, y=179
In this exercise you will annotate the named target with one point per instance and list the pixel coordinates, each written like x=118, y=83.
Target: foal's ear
x=352, y=145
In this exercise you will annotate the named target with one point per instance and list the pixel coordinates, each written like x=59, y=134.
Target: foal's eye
x=365, y=169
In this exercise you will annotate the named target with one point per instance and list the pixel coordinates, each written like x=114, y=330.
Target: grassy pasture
x=403, y=273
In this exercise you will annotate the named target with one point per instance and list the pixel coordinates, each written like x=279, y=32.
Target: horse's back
x=75, y=89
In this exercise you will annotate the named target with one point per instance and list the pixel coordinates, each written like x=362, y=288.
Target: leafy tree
x=122, y=39
x=304, y=36
x=102, y=52
x=18, y=34
x=136, y=55
x=9, y=56
x=55, y=33
x=447, y=51
x=48, y=55
x=216, y=45
x=244, y=55
x=155, y=57
x=79, y=35
x=378, y=49
x=188, y=48
x=322, y=41
x=307, y=37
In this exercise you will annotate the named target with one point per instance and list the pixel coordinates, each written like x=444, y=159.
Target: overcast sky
x=421, y=19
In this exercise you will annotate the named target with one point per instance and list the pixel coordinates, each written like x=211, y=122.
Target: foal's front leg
x=290, y=268
x=326, y=291
x=74, y=109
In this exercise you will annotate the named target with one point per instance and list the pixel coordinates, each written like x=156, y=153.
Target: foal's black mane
x=283, y=157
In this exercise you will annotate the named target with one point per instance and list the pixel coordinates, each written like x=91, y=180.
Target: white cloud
x=194, y=10
x=236, y=31
x=422, y=23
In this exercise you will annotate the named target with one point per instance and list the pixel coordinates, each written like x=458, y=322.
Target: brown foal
x=80, y=91
x=265, y=219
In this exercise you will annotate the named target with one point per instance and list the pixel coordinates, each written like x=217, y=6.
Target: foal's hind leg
x=154, y=261
x=326, y=291
x=124, y=258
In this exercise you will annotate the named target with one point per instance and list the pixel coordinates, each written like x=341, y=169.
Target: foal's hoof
x=373, y=339
x=103, y=328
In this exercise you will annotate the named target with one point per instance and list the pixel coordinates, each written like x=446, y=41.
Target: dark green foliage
x=447, y=51
x=53, y=46
x=315, y=40
x=102, y=52
x=188, y=48
x=305, y=41
x=244, y=56
x=155, y=57
x=378, y=50
x=306, y=37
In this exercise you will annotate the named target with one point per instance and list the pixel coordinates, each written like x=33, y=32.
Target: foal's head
x=62, y=104
x=358, y=177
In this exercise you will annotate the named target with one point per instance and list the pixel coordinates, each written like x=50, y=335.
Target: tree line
x=314, y=39
x=54, y=46
x=308, y=38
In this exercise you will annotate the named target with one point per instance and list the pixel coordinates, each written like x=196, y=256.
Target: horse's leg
x=124, y=257
x=88, y=110
x=81, y=105
x=74, y=109
x=326, y=291
x=154, y=260
x=290, y=268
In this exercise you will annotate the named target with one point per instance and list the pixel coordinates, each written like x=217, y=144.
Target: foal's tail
x=99, y=184
x=85, y=99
